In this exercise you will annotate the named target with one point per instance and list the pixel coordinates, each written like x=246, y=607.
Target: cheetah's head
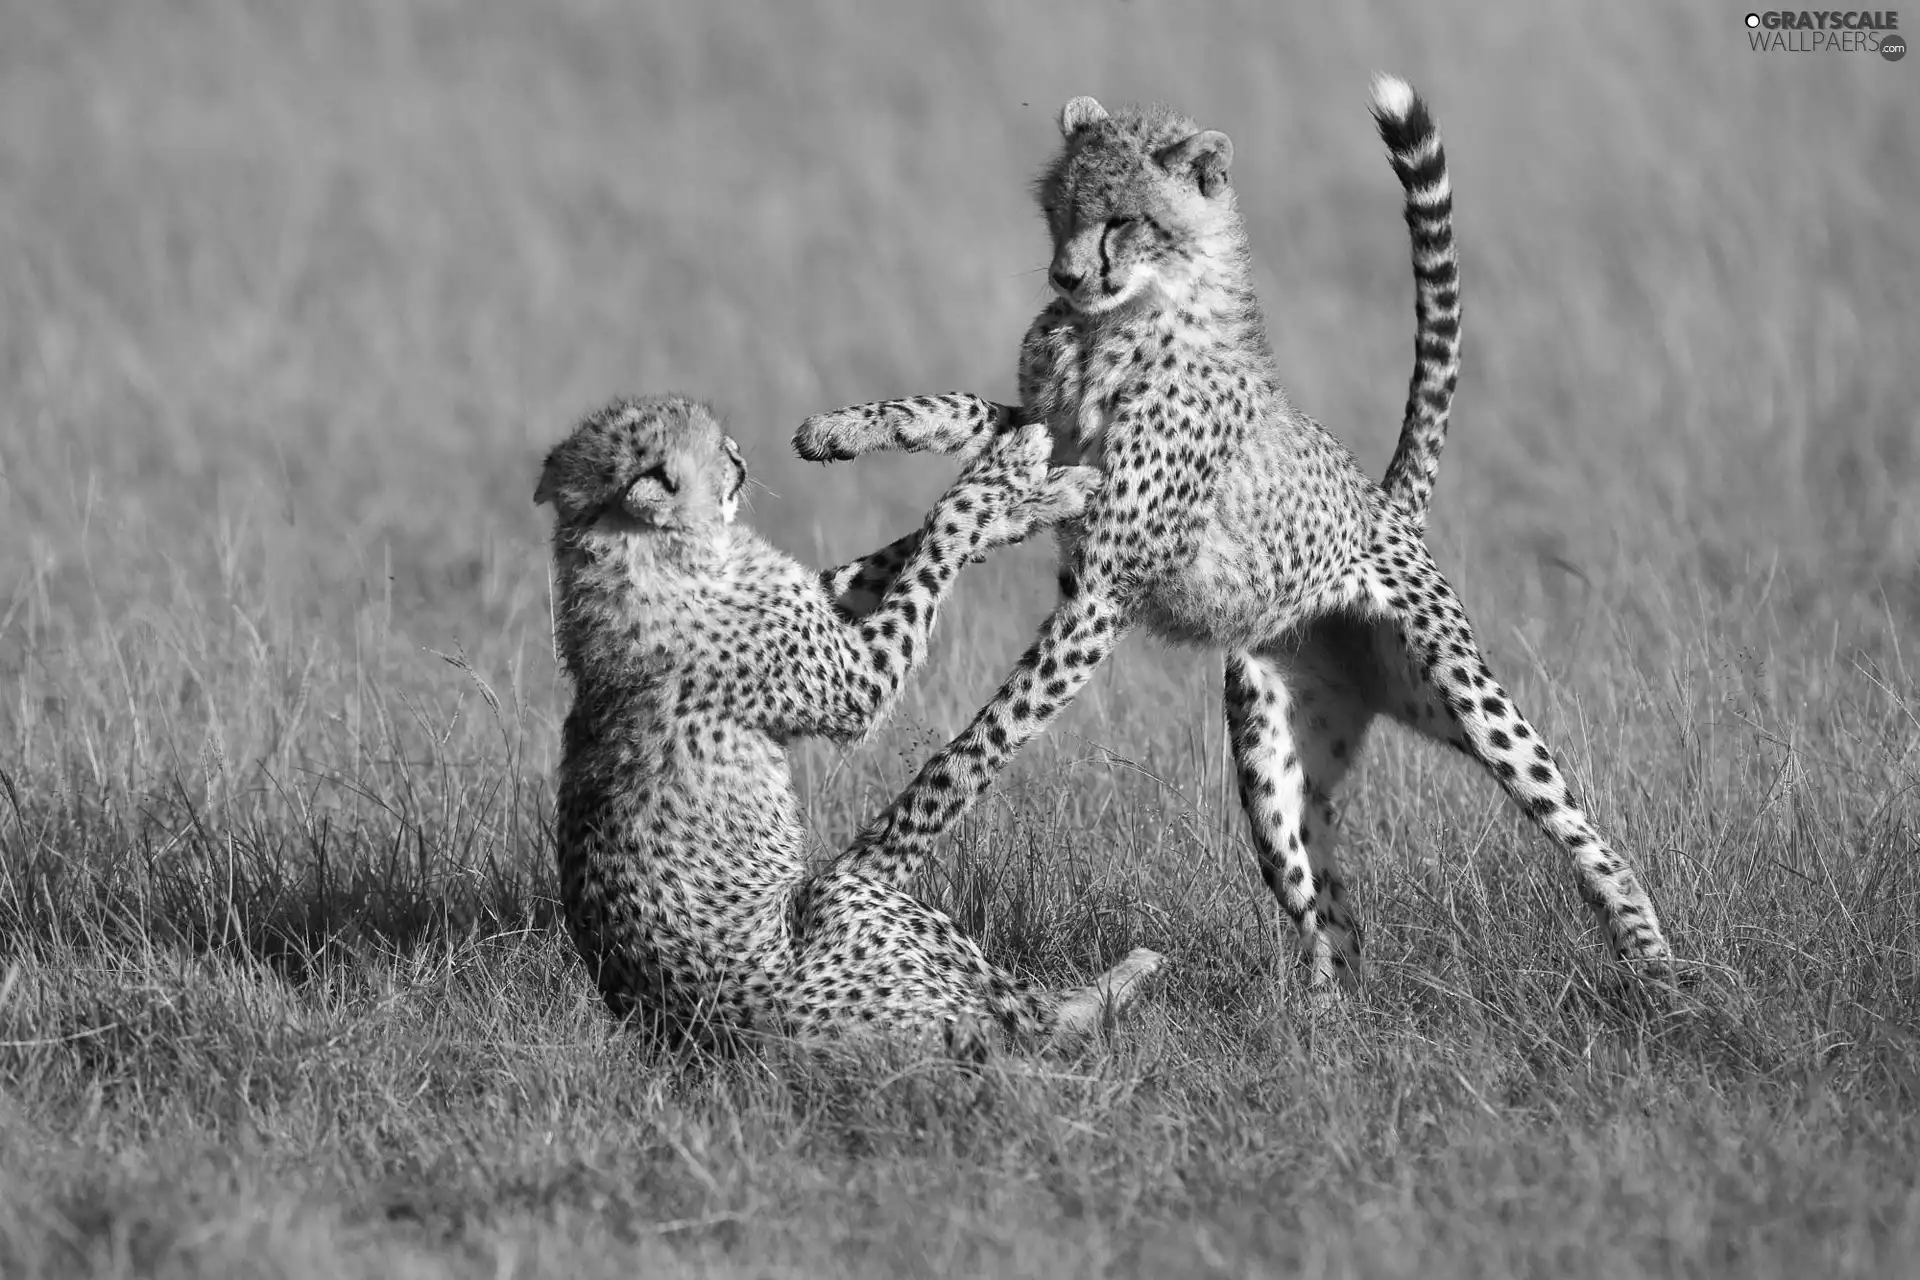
x=1138, y=202
x=640, y=466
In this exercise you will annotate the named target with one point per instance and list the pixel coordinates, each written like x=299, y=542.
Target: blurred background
x=296, y=295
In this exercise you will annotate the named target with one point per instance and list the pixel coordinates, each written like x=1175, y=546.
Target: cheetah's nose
x=1066, y=281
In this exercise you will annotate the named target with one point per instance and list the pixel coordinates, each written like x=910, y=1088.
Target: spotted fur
x=697, y=652
x=1420, y=161
x=1231, y=519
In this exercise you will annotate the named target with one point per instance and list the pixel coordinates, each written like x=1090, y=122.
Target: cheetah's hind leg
x=867, y=953
x=1450, y=695
x=1085, y=1010
x=1040, y=1019
x=959, y=424
x=1296, y=721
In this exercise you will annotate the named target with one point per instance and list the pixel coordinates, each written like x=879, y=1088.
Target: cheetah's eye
x=1120, y=224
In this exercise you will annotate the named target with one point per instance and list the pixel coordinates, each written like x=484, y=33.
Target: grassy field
x=294, y=296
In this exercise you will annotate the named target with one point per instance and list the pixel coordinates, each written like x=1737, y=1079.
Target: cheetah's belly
x=1228, y=595
x=1273, y=551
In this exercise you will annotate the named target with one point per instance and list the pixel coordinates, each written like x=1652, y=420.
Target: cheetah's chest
x=682, y=833
x=1193, y=436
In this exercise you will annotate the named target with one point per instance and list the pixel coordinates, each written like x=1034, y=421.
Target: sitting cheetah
x=1230, y=518
x=697, y=652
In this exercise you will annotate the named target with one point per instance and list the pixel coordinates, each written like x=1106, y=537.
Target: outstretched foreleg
x=857, y=587
x=960, y=423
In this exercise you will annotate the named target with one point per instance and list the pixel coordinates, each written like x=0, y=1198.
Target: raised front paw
x=954, y=424
x=1009, y=491
x=1063, y=497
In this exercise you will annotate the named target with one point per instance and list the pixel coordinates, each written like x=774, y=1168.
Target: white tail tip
x=1392, y=96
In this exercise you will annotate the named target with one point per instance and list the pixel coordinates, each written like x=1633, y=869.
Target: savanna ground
x=294, y=295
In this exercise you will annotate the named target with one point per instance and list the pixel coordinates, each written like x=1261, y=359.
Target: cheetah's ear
x=547, y=488
x=1205, y=155
x=560, y=484
x=1080, y=113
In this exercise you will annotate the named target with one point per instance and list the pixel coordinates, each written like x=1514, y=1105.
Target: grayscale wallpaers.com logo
x=1828, y=31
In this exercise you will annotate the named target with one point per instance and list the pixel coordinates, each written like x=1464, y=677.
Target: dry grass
x=295, y=294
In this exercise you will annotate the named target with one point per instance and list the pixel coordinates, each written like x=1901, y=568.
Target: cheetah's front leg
x=811, y=671
x=1123, y=547
x=1075, y=639
x=857, y=587
x=960, y=423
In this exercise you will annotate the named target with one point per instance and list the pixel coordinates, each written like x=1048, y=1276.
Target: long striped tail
x=1413, y=144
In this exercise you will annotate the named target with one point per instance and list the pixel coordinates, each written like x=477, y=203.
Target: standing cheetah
x=1230, y=518
x=697, y=652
